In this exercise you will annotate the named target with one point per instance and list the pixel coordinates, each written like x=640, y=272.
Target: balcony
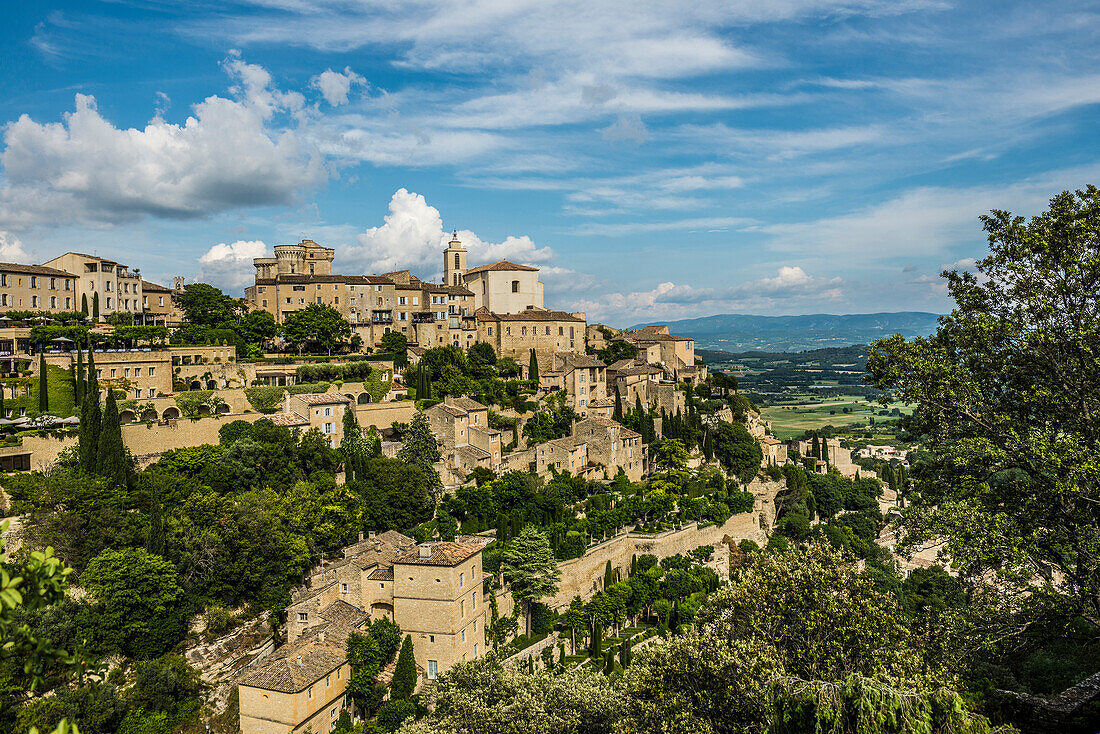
x=423, y=318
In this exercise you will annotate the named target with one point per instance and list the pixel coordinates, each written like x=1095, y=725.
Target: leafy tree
x=671, y=455
x=395, y=712
x=482, y=359
x=111, y=453
x=167, y=684
x=404, y=675
x=365, y=660
x=257, y=327
x=139, y=605
x=737, y=450
x=530, y=568
x=1004, y=394
x=317, y=326
x=419, y=448
x=205, y=305
x=398, y=344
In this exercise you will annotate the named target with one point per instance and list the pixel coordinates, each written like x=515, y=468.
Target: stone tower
x=454, y=262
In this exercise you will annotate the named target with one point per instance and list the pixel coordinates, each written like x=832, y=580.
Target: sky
x=657, y=160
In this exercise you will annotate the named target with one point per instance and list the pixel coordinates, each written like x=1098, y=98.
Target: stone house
x=119, y=290
x=323, y=411
x=462, y=426
x=612, y=446
x=584, y=380
x=838, y=456
x=563, y=454
x=433, y=591
x=37, y=288
x=516, y=334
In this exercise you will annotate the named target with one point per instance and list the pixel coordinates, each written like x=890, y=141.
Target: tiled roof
x=575, y=360
x=569, y=442
x=501, y=265
x=484, y=314
x=284, y=673
x=473, y=453
x=449, y=409
x=288, y=419
x=154, y=287
x=322, y=398
x=341, y=613
x=34, y=270
x=466, y=403
x=381, y=574
x=443, y=554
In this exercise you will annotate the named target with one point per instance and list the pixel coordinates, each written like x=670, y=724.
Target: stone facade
x=613, y=446
x=516, y=334
x=838, y=457
x=462, y=427
x=37, y=288
x=119, y=290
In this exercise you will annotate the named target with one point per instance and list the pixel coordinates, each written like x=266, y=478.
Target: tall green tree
x=404, y=675
x=618, y=414
x=1007, y=395
x=419, y=448
x=318, y=327
x=205, y=305
x=88, y=442
x=110, y=458
x=398, y=344
x=530, y=568
x=78, y=382
x=533, y=367
x=43, y=385
x=84, y=303
x=95, y=307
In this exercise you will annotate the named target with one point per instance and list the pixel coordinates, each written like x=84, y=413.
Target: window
x=328, y=412
x=490, y=332
x=151, y=371
x=463, y=635
x=265, y=303
x=309, y=694
x=343, y=588
x=318, y=299
x=68, y=301
x=328, y=428
x=431, y=638
x=288, y=300
x=328, y=684
x=515, y=286
x=34, y=301
x=523, y=331
x=401, y=300
x=113, y=371
x=473, y=602
x=303, y=616
x=456, y=260
x=416, y=300
x=461, y=579
x=109, y=302
x=126, y=372
x=34, y=281
x=462, y=609
x=160, y=301
x=335, y=709
x=53, y=301
x=508, y=330
x=433, y=669
x=547, y=331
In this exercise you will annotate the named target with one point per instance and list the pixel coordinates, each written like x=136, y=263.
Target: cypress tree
x=608, y=575
x=633, y=564
x=533, y=367
x=78, y=384
x=404, y=675
x=84, y=304
x=92, y=383
x=618, y=414
x=95, y=307
x=110, y=456
x=638, y=407
x=43, y=385
x=674, y=617
x=609, y=662
x=596, y=641
x=624, y=654
x=3, y=411
x=88, y=443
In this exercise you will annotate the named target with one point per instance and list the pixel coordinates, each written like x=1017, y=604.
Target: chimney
x=372, y=534
x=425, y=550
x=299, y=660
x=361, y=536
x=321, y=636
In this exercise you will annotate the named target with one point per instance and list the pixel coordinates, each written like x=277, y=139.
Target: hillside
x=740, y=332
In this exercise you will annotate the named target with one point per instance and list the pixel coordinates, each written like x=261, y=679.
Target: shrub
x=392, y=714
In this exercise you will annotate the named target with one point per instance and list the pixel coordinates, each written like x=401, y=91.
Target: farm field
x=792, y=419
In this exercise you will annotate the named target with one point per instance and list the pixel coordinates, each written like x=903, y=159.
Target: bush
x=392, y=714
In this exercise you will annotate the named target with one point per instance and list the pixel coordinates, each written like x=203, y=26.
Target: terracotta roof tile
x=34, y=270
x=288, y=419
x=443, y=554
x=501, y=265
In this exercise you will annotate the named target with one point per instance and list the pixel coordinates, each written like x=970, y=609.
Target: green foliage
x=111, y=456
x=268, y=398
x=140, y=609
x=419, y=449
x=166, y=684
x=393, y=713
x=404, y=675
x=205, y=305
x=737, y=450
x=316, y=328
x=397, y=344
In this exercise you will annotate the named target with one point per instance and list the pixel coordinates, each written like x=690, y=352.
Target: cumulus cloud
x=228, y=154
x=229, y=267
x=12, y=249
x=335, y=87
x=791, y=287
x=413, y=237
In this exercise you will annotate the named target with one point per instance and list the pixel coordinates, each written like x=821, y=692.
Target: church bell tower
x=454, y=262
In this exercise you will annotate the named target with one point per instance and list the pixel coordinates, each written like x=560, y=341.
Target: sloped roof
x=286, y=675
x=288, y=419
x=443, y=554
x=501, y=265
x=531, y=314
x=466, y=403
x=322, y=398
x=35, y=270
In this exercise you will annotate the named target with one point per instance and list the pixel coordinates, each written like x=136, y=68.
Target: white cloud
x=12, y=249
x=413, y=237
x=334, y=86
x=229, y=267
x=698, y=224
x=229, y=154
x=626, y=128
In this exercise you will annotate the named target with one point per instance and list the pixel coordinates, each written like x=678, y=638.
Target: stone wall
x=382, y=415
x=583, y=576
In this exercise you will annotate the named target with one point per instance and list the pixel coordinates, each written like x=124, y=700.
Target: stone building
x=37, y=288
x=837, y=456
x=119, y=290
x=516, y=334
x=613, y=446
x=158, y=303
x=433, y=591
x=462, y=427
x=323, y=411
x=584, y=380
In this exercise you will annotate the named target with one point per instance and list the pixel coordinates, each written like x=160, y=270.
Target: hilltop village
x=627, y=451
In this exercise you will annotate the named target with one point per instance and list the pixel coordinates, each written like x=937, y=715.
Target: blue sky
x=656, y=159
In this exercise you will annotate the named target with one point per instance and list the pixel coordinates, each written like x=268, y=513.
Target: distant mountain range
x=743, y=332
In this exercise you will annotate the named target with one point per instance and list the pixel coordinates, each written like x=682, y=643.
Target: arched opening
x=126, y=416
x=363, y=399
x=381, y=609
x=349, y=396
x=223, y=409
x=150, y=414
x=196, y=384
x=211, y=384
x=204, y=409
x=172, y=412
